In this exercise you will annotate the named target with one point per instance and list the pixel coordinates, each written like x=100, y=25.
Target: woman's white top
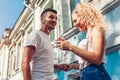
x=86, y=44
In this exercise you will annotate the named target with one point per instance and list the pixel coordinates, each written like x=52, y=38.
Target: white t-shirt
x=42, y=60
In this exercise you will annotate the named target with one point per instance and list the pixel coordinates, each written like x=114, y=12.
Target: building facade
x=11, y=46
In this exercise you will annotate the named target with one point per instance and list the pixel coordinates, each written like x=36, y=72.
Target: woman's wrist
x=70, y=47
x=76, y=66
x=70, y=66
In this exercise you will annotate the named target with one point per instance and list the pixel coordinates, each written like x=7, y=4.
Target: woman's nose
x=75, y=24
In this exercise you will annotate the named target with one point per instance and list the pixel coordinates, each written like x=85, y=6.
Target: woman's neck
x=88, y=32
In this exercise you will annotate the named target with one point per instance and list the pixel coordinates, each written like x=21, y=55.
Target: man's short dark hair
x=48, y=10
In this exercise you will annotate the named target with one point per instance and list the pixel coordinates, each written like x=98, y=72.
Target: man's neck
x=45, y=30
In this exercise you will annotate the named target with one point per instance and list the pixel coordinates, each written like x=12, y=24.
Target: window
x=30, y=30
x=52, y=36
x=11, y=64
x=17, y=58
x=73, y=4
x=74, y=76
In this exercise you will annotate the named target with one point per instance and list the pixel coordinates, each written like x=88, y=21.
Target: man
x=38, y=50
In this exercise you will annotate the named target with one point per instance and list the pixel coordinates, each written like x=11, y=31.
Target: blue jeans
x=95, y=72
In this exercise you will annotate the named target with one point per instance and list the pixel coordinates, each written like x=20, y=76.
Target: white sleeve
x=33, y=39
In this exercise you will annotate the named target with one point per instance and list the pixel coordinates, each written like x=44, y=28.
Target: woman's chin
x=80, y=30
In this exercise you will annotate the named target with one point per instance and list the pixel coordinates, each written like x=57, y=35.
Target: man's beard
x=51, y=28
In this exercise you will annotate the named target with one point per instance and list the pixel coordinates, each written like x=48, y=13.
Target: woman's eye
x=74, y=21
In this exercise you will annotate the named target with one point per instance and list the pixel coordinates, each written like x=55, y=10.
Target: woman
x=91, y=50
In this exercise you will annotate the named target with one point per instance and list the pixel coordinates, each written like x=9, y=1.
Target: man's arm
x=58, y=66
x=27, y=55
x=67, y=67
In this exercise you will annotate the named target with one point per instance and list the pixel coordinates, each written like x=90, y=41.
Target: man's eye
x=52, y=17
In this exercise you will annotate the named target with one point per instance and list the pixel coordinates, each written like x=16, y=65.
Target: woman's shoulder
x=97, y=33
x=97, y=28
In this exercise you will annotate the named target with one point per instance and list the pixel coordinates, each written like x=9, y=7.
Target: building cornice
x=21, y=20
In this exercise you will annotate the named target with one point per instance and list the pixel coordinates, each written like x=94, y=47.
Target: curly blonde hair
x=89, y=15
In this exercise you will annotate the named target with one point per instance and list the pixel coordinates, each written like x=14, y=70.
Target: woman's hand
x=65, y=67
x=63, y=44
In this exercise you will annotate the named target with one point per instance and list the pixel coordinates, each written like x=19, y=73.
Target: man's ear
x=42, y=20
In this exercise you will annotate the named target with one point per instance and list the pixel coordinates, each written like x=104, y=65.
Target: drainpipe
x=26, y=3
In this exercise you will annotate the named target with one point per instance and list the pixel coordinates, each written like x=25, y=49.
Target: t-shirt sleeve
x=33, y=39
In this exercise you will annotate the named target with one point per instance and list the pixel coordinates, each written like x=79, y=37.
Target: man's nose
x=54, y=19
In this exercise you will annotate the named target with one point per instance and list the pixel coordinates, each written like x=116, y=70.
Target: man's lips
x=53, y=23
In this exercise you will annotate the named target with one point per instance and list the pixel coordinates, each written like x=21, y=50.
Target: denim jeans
x=95, y=72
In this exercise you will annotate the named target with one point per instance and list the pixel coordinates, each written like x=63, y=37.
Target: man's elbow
x=24, y=64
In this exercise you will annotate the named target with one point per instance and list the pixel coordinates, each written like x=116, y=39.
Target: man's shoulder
x=36, y=32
